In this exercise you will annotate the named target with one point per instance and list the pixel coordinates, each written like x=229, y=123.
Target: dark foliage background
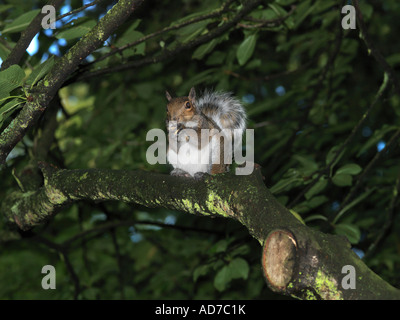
x=306, y=84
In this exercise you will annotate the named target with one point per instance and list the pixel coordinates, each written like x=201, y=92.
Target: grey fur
x=222, y=105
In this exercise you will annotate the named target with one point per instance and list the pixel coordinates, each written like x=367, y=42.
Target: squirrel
x=193, y=152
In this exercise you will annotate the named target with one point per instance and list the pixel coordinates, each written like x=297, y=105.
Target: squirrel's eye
x=188, y=106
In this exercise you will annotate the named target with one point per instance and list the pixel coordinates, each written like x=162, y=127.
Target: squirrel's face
x=180, y=109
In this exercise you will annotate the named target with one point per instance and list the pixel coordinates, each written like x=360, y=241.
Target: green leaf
x=315, y=217
x=14, y=75
x=350, y=168
x=332, y=154
x=9, y=108
x=342, y=180
x=297, y=216
x=317, y=188
x=308, y=205
x=21, y=22
x=200, y=271
x=350, y=231
x=309, y=165
x=76, y=29
x=220, y=246
x=367, y=10
x=287, y=183
x=192, y=31
x=40, y=71
x=246, y=49
x=238, y=268
x=222, y=278
x=302, y=11
x=204, y=49
x=353, y=203
x=280, y=12
x=10, y=79
x=129, y=37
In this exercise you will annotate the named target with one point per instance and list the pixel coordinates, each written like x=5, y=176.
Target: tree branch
x=213, y=14
x=374, y=51
x=369, y=166
x=348, y=140
x=310, y=262
x=47, y=88
x=26, y=37
x=169, y=53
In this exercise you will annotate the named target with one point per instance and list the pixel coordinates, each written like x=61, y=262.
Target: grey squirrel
x=195, y=127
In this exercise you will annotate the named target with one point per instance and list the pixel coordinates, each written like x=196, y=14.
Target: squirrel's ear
x=169, y=98
x=192, y=94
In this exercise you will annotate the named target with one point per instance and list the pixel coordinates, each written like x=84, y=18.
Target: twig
x=317, y=89
x=272, y=76
x=370, y=165
x=72, y=12
x=130, y=222
x=266, y=23
x=347, y=141
x=64, y=252
x=214, y=14
x=389, y=221
x=169, y=53
x=373, y=50
x=26, y=37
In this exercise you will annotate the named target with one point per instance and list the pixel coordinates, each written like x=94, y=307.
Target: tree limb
x=297, y=260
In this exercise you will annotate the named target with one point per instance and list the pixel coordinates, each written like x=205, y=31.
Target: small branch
x=63, y=251
x=272, y=77
x=169, y=53
x=214, y=14
x=26, y=37
x=261, y=23
x=304, y=119
x=373, y=50
x=369, y=166
x=79, y=9
x=324, y=171
x=389, y=220
x=132, y=222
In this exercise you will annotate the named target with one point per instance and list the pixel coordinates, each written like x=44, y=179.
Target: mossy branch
x=297, y=260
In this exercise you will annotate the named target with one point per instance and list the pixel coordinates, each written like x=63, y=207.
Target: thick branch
x=308, y=264
x=297, y=260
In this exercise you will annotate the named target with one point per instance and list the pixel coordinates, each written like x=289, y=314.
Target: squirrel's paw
x=179, y=173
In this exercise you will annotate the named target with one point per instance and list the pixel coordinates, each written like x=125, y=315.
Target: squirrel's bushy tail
x=224, y=109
